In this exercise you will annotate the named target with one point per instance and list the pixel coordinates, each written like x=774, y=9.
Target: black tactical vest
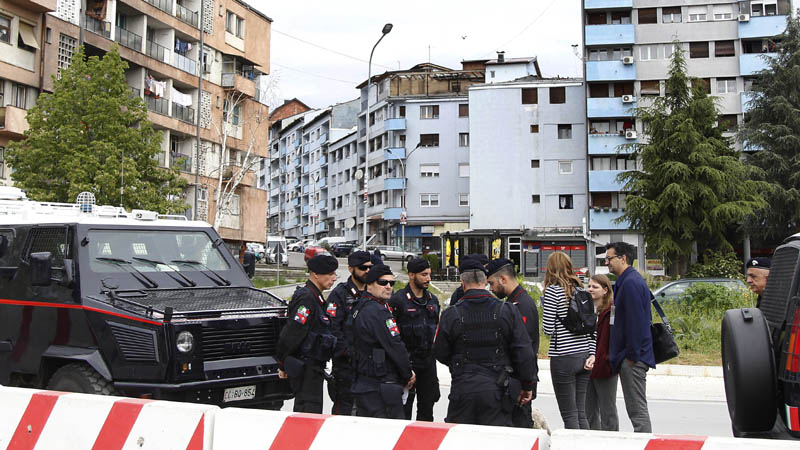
x=480, y=342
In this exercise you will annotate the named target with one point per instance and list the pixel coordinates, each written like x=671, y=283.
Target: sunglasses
x=363, y=268
x=385, y=282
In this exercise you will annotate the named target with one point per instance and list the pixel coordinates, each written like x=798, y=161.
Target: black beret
x=468, y=264
x=417, y=265
x=322, y=264
x=480, y=257
x=498, y=264
x=378, y=271
x=759, y=263
x=358, y=258
x=376, y=260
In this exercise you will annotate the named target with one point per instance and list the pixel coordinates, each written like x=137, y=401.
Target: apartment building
x=528, y=178
x=627, y=48
x=160, y=40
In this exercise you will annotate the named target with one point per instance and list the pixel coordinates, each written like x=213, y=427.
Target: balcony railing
x=136, y=92
x=183, y=113
x=129, y=39
x=98, y=27
x=157, y=51
x=157, y=105
x=186, y=15
x=164, y=5
x=184, y=63
x=181, y=161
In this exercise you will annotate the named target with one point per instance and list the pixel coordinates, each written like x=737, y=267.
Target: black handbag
x=664, y=345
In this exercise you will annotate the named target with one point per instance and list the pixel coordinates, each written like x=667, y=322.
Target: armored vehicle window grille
x=789, y=368
x=49, y=239
x=259, y=340
x=782, y=285
x=208, y=299
x=135, y=344
x=6, y=246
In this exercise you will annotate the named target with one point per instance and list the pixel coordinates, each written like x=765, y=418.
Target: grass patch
x=262, y=283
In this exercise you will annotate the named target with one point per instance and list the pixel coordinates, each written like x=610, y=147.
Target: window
x=698, y=49
x=650, y=87
x=728, y=122
x=463, y=139
x=401, y=111
x=2, y=92
x=620, y=18
x=558, y=95
x=530, y=96
x=723, y=12
x=463, y=170
x=534, y=128
x=669, y=49
x=234, y=25
x=429, y=140
x=565, y=131
x=671, y=15
x=565, y=167
x=599, y=18
x=565, y=201
x=27, y=39
x=724, y=49
x=703, y=83
x=429, y=112
x=234, y=114
x=463, y=110
x=698, y=13
x=598, y=90
x=428, y=200
x=623, y=88
x=726, y=85
x=463, y=199
x=5, y=29
x=535, y=198
x=648, y=52
x=429, y=170
x=601, y=199
x=534, y=164
x=2, y=162
x=19, y=95
x=648, y=15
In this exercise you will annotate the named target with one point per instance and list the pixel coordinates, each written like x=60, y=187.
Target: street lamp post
x=386, y=29
x=403, y=217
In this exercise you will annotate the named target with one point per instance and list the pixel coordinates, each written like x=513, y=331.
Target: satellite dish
x=349, y=223
x=359, y=174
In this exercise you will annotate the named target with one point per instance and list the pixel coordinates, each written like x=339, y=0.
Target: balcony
x=274, y=192
x=394, y=153
x=239, y=83
x=394, y=183
x=323, y=138
x=157, y=51
x=609, y=71
x=185, y=64
x=608, y=144
x=183, y=113
x=296, y=162
x=306, y=230
x=322, y=205
x=745, y=99
x=294, y=203
x=607, y=4
x=764, y=26
x=321, y=227
x=295, y=222
x=394, y=124
x=604, y=219
x=128, y=39
x=609, y=34
x=321, y=183
x=306, y=209
x=604, y=181
x=752, y=63
x=136, y=92
x=294, y=184
x=274, y=210
x=157, y=105
x=305, y=168
x=181, y=161
x=608, y=107
x=323, y=161
x=164, y=5
x=13, y=121
x=283, y=188
x=39, y=6
x=186, y=15
x=392, y=213
x=95, y=26
x=306, y=148
x=306, y=188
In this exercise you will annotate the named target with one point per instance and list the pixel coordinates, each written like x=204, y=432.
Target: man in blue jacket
x=631, y=344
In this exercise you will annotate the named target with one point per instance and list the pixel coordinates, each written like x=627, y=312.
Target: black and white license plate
x=239, y=393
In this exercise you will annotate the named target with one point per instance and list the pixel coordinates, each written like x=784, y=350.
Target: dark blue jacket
x=630, y=329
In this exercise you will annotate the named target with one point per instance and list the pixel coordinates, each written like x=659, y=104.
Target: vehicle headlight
x=185, y=342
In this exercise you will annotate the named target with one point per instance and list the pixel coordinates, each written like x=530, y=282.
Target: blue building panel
x=608, y=107
x=752, y=63
x=392, y=213
x=762, y=26
x=606, y=220
x=609, y=71
x=604, y=181
x=609, y=34
x=607, y=4
x=395, y=153
x=394, y=183
x=608, y=144
x=394, y=124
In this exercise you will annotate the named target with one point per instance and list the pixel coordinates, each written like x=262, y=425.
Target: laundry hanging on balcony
x=154, y=87
x=180, y=98
x=182, y=47
x=96, y=9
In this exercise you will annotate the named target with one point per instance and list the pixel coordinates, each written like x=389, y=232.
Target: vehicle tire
x=82, y=379
x=748, y=368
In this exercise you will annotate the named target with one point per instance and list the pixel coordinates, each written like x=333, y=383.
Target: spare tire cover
x=748, y=367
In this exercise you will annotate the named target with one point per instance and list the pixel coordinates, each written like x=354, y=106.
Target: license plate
x=239, y=393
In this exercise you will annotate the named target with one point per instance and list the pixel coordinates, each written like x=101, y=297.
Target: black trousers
x=491, y=407
x=426, y=392
x=308, y=390
x=339, y=389
x=386, y=403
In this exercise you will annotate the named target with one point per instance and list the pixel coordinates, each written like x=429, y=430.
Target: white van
x=277, y=245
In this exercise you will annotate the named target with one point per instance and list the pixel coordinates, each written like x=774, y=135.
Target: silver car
x=394, y=252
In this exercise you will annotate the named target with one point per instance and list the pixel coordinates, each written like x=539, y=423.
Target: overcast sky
x=453, y=31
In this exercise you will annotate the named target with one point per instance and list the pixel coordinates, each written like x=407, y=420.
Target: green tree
x=692, y=186
x=772, y=124
x=91, y=134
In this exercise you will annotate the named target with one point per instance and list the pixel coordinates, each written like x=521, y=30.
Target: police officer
x=757, y=274
x=483, y=341
x=417, y=313
x=503, y=283
x=380, y=360
x=459, y=292
x=340, y=303
x=306, y=342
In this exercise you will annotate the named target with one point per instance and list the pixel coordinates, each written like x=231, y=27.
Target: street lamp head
x=387, y=28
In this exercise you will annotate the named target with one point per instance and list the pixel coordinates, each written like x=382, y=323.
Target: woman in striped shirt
x=571, y=355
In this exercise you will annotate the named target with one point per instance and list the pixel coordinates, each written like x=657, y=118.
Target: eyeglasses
x=609, y=258
x=363, y=268
x=385, y=282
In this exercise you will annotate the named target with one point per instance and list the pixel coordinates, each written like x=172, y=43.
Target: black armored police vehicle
x=99, y=300
x=761, y=354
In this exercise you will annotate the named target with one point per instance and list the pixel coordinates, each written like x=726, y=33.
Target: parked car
x=312, y=251
x=674, y=289
x=343, y=249
x=392, y=252
x=276, y=245
x=300, y=246
x=257, y=249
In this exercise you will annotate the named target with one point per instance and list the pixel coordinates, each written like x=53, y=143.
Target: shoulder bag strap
x=660, y=312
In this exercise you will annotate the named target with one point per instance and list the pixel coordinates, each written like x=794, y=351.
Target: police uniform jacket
x=417, y=319
x=520, y=298
x=340, y=303
x=379, y=354
x=306, y=335
x=478, y=338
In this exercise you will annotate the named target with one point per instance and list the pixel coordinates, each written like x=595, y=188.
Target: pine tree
x=692, y=186
x=772, y=124
x=91, y=134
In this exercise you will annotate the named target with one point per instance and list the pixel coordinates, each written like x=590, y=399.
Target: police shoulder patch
x=302, y=315
x=392, y=326
x=331, y=309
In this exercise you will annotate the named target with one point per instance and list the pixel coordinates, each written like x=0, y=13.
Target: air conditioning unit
x=627, y=60
x=744, y=17
x=628, y=99
x=630, y=134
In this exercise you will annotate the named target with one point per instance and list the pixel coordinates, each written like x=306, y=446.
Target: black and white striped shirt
x=562, y=341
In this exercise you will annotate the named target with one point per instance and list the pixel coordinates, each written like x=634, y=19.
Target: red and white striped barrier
x=608, y=440
x=240, y=428
x=33, y=419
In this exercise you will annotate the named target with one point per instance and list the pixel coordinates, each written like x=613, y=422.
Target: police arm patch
x=392, y=326
x=302, y=315
x=331, y=309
